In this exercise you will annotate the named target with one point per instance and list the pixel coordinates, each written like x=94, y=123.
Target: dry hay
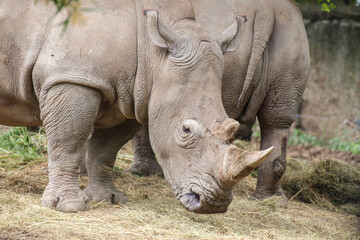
x=153, y=213
x=328, y=183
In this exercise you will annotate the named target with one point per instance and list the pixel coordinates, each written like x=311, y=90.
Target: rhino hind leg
x=275, y=124
x=68, y=112
x=101, y=152
x=271, y=171
x=144, y=163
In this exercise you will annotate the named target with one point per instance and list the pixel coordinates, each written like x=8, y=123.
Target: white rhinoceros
x=133, y=62
x=268, y=71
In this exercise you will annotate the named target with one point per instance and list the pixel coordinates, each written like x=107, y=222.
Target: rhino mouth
x=198, y=202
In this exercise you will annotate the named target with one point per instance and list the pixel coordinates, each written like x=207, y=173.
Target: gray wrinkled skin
x=133, y=62
x=269, y=71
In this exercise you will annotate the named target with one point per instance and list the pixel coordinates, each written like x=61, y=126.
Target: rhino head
x=188, y=126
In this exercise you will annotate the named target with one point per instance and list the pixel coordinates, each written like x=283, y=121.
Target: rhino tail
x=263, y=28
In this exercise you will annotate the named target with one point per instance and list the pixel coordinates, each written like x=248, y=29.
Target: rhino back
x=286, y=49
x=101, y=54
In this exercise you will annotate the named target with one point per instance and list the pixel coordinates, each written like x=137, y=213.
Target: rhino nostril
x=194, y=198
x=191, y=201
x=230, y=141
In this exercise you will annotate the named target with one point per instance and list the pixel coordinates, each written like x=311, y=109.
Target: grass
x=20, y=147
x=298, y=137
x=152, y=211
x=328, y=183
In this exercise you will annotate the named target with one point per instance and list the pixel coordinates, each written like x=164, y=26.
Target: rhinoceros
x=264, y=77
x=132, y=63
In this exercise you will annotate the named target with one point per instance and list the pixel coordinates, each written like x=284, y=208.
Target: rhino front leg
x=68, y=112
x=100, y=158
x=271, y=171
x=144, y=163
x=245, y=131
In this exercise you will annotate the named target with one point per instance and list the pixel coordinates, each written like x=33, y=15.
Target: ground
x=315, y=153
x=153, y=213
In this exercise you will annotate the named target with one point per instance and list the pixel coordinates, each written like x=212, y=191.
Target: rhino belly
x=17, y=113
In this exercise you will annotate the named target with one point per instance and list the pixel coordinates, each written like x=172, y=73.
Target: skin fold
x=264, y=77
x=132, y=63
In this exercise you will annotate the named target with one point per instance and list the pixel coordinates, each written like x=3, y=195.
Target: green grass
x=298, y=137
x=20, y=147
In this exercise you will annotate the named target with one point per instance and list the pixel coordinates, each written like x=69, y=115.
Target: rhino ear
x=160, y=35
x=230, y=39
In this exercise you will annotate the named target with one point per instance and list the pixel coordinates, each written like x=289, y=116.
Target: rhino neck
x=149, y=57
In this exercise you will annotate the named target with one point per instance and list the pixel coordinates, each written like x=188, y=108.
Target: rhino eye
x=186, y=129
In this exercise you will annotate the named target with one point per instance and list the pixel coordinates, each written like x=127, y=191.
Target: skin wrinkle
x=189, y=58
x=280, y=72
x=206, y=182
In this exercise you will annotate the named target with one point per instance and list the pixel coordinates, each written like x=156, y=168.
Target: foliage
x=326, y=5
x=19, y=146
x=298, y=137
x=326, y=183
x=73, y=11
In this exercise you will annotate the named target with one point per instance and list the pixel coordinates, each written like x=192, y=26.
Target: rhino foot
x=49, y=202
x=73, y=205
x=145, y=168
x=73, y=202
x=107, y=194
x=264, y=194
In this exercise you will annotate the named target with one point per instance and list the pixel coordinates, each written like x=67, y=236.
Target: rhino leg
x=68, y=112
x=144, y=163
x=245, y=131
x=271, y=171
x=100, y=158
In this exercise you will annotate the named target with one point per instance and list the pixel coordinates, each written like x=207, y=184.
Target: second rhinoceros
x=132, y=63
x=268, y=71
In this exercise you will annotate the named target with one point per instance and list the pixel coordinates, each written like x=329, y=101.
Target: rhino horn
x=238, y=163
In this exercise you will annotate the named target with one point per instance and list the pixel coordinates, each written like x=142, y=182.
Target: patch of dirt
x=315, y=153
x=29, y=180
x=4, y=129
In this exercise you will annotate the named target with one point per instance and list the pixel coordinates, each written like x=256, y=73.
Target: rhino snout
x=198, y=203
